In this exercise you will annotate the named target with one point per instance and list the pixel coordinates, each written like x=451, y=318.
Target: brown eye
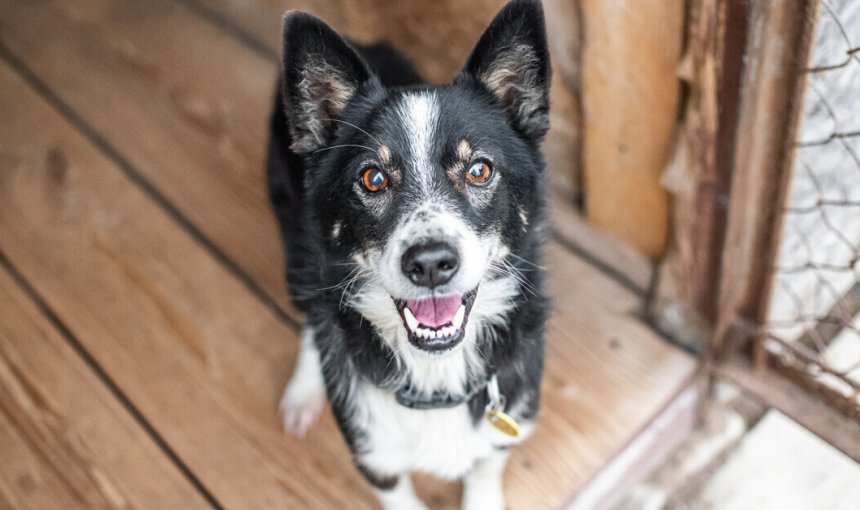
x=479, y=173
x=374, y=179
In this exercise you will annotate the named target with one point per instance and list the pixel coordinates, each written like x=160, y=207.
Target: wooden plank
x=617, y=258
x=436, y=36
x=65, y=441
x=646, y=452
x=205, y=362
x=563, y=145
x=596, y=351
x=187, y=104
x=630, y=100
x=699, y=172
x=199, y=356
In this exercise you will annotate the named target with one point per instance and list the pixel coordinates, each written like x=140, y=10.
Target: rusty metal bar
x=805, y=407
x=772, y=91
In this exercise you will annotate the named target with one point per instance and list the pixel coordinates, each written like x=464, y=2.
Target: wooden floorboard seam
x=138, y=179
x=64, y=331
x=243, y=36
x=600, y=265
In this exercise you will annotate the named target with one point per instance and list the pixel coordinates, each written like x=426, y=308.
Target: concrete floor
x=746, y=457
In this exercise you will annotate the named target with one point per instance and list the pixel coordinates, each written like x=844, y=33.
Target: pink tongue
x=434, y=312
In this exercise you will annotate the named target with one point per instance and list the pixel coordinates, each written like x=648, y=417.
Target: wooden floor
x=145, y=334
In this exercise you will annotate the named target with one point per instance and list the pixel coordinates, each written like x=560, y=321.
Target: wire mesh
x=813, y=330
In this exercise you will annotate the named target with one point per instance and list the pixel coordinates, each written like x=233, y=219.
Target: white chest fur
x=442, y=442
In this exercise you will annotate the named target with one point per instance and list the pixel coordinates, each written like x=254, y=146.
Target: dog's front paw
x=305, y=394
x=418, y=505
x=482, y=487
x=490, y=498
x=414, y=504
x=401, y=497
x=300, y=407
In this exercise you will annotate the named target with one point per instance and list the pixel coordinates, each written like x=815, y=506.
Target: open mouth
x=437, y=323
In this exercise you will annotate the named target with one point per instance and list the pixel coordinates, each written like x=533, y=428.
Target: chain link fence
x=813, y=331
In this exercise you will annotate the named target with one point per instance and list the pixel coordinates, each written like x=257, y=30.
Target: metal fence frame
x=775, y=67
x=816, y=293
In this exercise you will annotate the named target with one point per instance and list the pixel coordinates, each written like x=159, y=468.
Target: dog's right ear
x=512, y=61
x=321, y=75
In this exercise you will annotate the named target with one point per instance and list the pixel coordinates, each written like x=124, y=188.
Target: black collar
x=413, y=399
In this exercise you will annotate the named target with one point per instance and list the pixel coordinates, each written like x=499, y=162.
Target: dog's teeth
x=457, y=321
x=411, y=321
x=430, y=334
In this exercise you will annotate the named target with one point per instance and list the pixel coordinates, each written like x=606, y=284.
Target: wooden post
x=630, y=96
x=699, y=173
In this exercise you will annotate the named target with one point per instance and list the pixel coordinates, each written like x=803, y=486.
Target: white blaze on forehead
x=419, y=113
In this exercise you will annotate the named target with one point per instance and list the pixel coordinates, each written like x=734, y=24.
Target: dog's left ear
x=512, y=61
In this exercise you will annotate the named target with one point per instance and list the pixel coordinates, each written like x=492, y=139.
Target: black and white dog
x=413, y=219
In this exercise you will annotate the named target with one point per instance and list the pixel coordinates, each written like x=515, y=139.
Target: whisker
x=527, y=262
x=517, y=275
x=350, y=298
x=391, y=357
x=348, y=277
x=481, y=353
x=356, y=127
x=347, y=295
x=344, y=145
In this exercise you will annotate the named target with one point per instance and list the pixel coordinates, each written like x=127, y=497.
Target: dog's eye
x=374, y=179
x=480, y=173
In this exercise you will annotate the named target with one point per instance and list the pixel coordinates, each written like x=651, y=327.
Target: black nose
x=431, y=264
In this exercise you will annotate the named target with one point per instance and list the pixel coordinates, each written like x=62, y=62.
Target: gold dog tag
x=503, y=422
x=495, y=410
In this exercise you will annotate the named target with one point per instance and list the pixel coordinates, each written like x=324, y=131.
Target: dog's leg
x=305, y=394
x=482, y=488
x=399, y=495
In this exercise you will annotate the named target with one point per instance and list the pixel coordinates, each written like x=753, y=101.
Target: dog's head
x=429, y=190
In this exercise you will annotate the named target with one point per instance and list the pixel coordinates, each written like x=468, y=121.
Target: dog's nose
x=431, y=264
